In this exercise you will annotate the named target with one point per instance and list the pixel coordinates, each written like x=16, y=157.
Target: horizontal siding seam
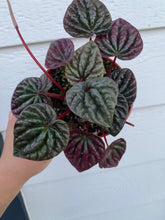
x=117, y=210
x=97, y=172
x=35, y=43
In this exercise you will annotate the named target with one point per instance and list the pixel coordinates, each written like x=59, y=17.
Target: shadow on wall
x=16, y=210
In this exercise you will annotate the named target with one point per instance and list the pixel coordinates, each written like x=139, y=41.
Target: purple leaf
x=113, y=154
x=123, y=41
x=60, y=53
x=84, y=149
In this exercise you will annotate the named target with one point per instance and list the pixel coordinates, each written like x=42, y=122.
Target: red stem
x=56, y=96
x=90, y=39
x=63, y=114
x=104, y=137
x=27, y=48
x=111, y=67
x=128, y=123
x=36, y=61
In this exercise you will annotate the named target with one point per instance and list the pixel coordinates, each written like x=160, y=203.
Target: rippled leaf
x=38, y=135
x=84, y=18
x=94, y=100
x=84, y=149
x=121, y=112
x=87, y=63
x=46, y=82
x=126, y=82
x=123, y=41
x=30, y=90
x=60, y=53
x=113, y=154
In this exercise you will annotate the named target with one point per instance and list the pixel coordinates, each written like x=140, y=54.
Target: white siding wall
x=134, y=190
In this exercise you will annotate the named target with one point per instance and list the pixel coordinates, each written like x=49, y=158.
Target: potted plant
x=83, y=95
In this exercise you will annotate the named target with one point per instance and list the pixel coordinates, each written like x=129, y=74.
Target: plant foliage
x=84, y=149
x=87, y=63
x=83, y=96
x=123, y=41
x=85, y=18
x=60, y=53
x=38, y=135
x=113, y=154
x=94, y=100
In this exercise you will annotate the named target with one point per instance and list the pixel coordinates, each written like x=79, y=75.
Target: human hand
x=14, y=171
x=22, y=169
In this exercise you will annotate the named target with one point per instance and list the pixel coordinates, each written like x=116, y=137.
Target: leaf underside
x=84, y=18
x=38, y=135
x=84, y=149
x=121, y=112
x=123, y=41
x=31, y=90
x=113, y=154
x=126, y=82
x=87, y=63
x=60, y=53
x=94, y=100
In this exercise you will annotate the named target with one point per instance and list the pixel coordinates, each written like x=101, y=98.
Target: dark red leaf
x=60, y=53
x=123, y=41
x=84, y=149
x=113, y=154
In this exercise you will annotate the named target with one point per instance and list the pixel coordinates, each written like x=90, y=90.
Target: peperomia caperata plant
x=83, y=95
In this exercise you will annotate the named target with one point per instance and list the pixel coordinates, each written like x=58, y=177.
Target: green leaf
x=87, y=63
x=84, y=18
x=126, y=82
x=38, y=135
x=94, y=100
x=46, y=83
x=121, y=112
x=113, y=154
x=31, y=90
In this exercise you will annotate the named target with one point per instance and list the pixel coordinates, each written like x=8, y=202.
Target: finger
x=9, y=138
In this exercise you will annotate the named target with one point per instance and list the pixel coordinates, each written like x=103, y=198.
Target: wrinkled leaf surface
x=38, y=135
x=87, y=63
x=30, y=90
x=113, y=154
x=84, y=18
x=94, y=100
x=126, y=82
x=121, y=112
x=123, y=41
x=84, y=149
x=60, y=53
